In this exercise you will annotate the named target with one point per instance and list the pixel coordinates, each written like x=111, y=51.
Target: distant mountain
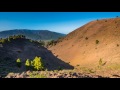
x=32, y=34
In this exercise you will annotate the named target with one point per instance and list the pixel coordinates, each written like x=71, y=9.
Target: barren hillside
x=85, y=46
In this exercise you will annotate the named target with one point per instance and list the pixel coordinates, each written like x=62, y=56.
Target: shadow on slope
x=10, y=52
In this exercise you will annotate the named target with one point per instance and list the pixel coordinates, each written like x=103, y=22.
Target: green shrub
x=10, y=38
x=38, y=64
x=27, y=64
x=31, y=63
x=18, y=61
x=101, y=63
x=52, y=43
x=42, y=43
x=97, y=41
x=3, y=40
x=59, y=68
x=91, y=71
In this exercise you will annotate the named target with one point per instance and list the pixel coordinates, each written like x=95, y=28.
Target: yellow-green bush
x=27, y=64
x=18, y=61
x=97, y=41
x=32, y=64
x=3, y=40
x=38, y=64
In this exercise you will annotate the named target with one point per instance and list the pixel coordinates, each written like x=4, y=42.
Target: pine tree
x=18, y=61
x=38, y=64
x=27, y=64
x=32, y=64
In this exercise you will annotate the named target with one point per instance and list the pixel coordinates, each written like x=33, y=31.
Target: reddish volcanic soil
x=80, y=47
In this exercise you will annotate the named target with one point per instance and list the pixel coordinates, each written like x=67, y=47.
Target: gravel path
x=51, y=74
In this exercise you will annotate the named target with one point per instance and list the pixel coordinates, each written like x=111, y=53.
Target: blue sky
x=62, y=22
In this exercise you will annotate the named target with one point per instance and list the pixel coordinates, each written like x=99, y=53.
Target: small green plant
x=59, y=68
x=101, y=63
x=31, y=63
x=91, y=71
x=3, y=40
x=30, y=40
x=97, y=41
x=27, y=64
x=38, y=63
x=18, y=61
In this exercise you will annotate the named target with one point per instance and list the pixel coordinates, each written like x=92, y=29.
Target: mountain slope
x=87, y=45
x=25, y=49
x=32, y=34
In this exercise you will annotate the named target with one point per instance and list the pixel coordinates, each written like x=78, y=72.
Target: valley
x=90, y=51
